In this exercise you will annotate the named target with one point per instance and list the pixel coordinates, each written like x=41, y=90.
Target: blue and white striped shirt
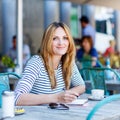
x=35, y=78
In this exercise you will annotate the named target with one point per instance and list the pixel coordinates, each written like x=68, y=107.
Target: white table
x=110, y=111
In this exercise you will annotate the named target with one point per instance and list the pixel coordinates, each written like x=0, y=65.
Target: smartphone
x=58, y=106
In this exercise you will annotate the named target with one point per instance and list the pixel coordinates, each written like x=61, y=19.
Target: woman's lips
x=60, y=47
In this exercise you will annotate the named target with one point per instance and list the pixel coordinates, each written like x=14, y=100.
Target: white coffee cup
x=97, y=93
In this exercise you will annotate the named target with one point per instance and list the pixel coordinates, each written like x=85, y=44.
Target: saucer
x=95, y=99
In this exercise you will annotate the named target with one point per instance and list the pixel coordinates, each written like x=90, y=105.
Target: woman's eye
x=55, y=38
x=65, y=38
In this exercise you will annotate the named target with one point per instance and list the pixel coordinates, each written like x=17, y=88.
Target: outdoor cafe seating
x=77, y=111
x=88, y=110
x=98, y=76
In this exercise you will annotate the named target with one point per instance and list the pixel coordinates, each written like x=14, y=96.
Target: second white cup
x=97, y=93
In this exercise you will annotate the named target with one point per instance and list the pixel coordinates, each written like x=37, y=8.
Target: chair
x=101, y=103
x=4, y=82
x=87, y=63
x=97, y=76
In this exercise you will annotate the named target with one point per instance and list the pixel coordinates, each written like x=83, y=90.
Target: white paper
x=78, y=102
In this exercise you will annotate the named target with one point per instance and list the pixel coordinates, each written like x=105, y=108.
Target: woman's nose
x=60, y=41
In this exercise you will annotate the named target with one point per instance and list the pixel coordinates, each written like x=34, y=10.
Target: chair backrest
x=88, y=63
x=97, y=76
x=85, y=63
x=101, y=103
x=4, y=82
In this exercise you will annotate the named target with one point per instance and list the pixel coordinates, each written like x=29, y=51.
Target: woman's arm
x=28, y=78
x=36, y=99
x=78, y=89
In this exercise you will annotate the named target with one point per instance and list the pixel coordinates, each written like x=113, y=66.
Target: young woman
x=52, y=76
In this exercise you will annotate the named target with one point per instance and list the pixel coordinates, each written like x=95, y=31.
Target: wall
x=33, y=23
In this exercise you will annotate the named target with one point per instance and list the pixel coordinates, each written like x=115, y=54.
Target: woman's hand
x=67, y=96
x=94, y=60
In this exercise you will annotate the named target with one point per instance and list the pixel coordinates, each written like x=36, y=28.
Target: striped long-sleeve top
x=35, y=79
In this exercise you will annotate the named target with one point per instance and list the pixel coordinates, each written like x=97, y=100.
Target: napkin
x=78, y=102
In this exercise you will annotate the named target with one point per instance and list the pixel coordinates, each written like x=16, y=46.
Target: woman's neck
x=87, y=51
x=56, y=61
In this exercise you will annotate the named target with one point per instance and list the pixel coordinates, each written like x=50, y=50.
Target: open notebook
x=78, y=102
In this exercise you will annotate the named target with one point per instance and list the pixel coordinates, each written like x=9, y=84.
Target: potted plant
x=8, y=63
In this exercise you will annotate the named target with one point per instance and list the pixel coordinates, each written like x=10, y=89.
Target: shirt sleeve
x=88, y=30
x=76, y=78
x=79, y=54
x=28, y=77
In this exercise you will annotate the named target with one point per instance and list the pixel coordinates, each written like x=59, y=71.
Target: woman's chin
x=60, y=54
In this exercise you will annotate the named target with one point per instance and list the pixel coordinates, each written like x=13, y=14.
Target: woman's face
x=86, y=45
x=60, y=42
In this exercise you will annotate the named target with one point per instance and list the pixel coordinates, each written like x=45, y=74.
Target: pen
x=74, y=94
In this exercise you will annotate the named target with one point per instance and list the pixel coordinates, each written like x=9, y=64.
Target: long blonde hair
x=46, y=51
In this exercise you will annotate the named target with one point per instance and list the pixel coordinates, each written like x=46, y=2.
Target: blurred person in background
x=87, y=51
x=26, y=53
x=112, y=54
x=87, y=29
x=12, y=53
x=111, y=49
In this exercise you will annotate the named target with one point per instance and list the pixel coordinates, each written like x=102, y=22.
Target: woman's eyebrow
x=65, y=36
